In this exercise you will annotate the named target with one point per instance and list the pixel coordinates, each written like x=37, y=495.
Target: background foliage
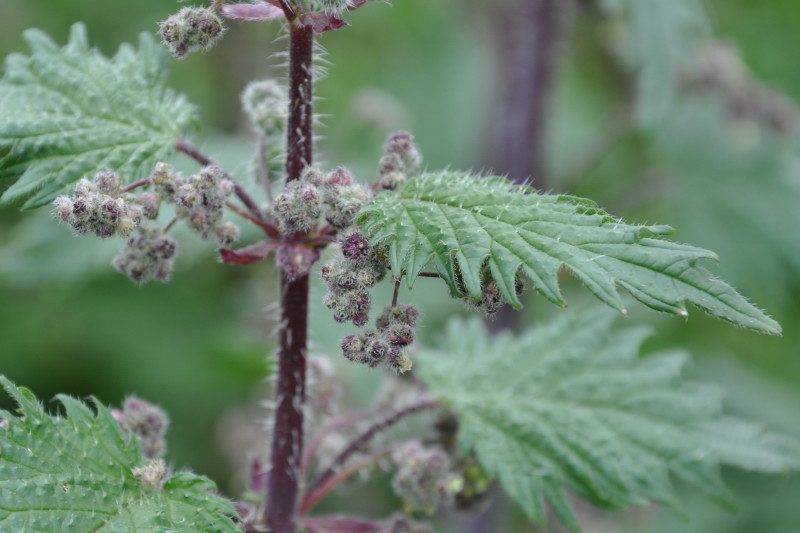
x=196, y=346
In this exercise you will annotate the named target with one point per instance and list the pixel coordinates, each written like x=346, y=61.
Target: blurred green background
x=199, y=345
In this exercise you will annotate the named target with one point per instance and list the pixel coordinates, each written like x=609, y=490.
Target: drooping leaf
x=77, y=473
x=69, y=112
x=456, y=223
x=572, y=406
x=660, y=44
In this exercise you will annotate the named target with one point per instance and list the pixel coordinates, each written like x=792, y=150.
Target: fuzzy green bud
x=192, y=29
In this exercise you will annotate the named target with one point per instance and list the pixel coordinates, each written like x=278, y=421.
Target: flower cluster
x=400, y=161
x=147, y=422
x=491, y=300
x=395, y=330
x=199, y=199
x=149, y=255
x=191, y=29
x=424, y=479
x=100, y=207
x=304, y=202
x=350, y=276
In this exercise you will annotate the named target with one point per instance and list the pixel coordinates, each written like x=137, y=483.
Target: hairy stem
x=287, y=437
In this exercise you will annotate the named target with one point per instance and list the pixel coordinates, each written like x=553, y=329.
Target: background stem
x=287, y=437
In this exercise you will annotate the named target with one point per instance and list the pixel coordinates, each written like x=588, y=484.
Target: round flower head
x=191, y=29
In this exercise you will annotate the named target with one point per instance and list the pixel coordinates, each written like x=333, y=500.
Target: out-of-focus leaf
x=572, y=406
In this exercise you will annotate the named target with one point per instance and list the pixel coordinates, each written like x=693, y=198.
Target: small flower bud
x=353, y=348
x=343, y=202
x=266, y=104
x=356, y=248
x=227, y=234
x=377, y=349
x=62, y=208
x=164, y=247
x=398, y=361
x=190, y=30
x=392, y=181
x=150, y=203
x=84, y=188
x=341, y=177
x=148, y=422
x=152, y=475
x=108, y=182
x=400, y=334
x=313, y=176
x=298, y=207
x=401, y=143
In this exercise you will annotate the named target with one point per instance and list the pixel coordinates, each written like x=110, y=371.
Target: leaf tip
x=684, y=313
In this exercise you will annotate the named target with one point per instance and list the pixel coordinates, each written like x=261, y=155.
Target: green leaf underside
x=75, y=474
x=446, y=220
x=69, y=112
x=572, y=406
x=662, y=33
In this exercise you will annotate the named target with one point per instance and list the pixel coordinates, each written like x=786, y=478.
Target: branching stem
x=362, y=440
x=333, y=426
x=182, y=145
x=321, y=491
x=135, y=185
x=271, y=230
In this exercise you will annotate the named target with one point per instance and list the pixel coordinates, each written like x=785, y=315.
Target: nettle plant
x=568, y=408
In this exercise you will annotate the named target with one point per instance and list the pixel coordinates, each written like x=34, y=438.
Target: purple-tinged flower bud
x=341, y=177
x=398, y=361
x=377, y=349
x=226, y=187
x=361, y=319
x=356, y=248
x=392, y=181
x=401, y=143
x=148, y=422
x=150, y=203
x=400, y=334
x=165, y=247
x=108, y=182
x=84, y=188
x=82, y=208
x=297, y=208
x=366, y=277
x=62, y=208
x=353, y=348
x=227, y=234
x=313, y=176
x=209, y=177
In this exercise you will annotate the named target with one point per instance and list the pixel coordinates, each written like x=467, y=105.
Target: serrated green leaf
x=76, y=473
x=572, y=406
x=447, y=220
x=69, y=112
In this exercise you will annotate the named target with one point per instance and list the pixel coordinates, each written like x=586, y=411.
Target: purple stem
x=530, y=33
x=287, y=437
